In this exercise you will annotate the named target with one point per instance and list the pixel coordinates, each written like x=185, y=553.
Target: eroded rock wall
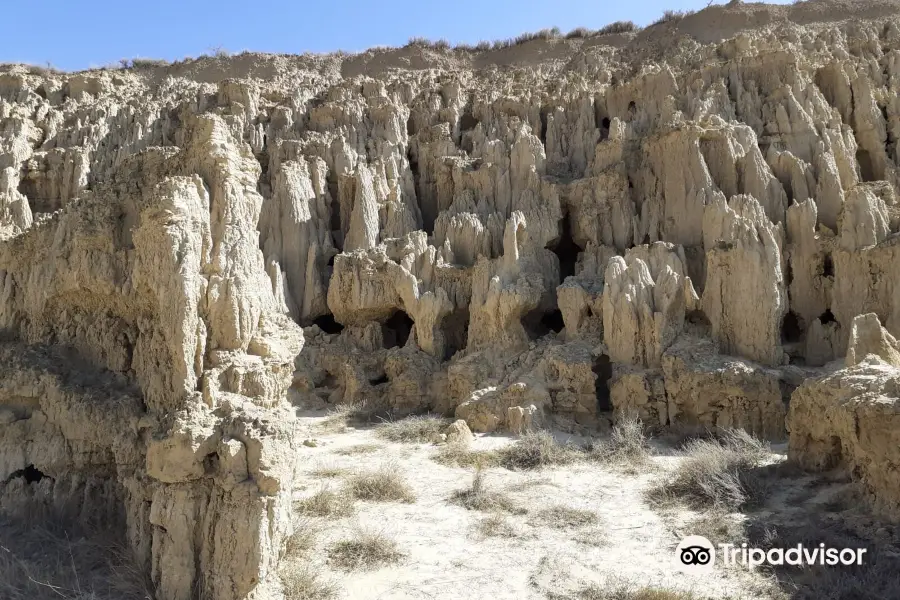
x=681, y=222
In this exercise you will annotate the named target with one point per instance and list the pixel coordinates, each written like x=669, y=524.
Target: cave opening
x=828, y=266
x=603, y=370
x=553, y=321
x=30, y=474
x=455, y=327
x=866, y=166
x=827, y=317
x=395, y=331
x=791, y=331
x=566, y=249
x=327, y=324
x=375, y=381
x=410, y=126
x=543, y=136
x=467, y=122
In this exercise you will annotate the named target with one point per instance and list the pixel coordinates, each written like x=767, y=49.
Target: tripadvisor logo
x=696, y=554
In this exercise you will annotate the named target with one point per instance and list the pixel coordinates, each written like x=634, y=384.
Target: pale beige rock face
x=556, y=233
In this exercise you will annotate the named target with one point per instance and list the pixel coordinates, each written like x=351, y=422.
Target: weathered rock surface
x=683, y=222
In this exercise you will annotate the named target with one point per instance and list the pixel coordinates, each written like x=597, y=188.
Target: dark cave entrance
x=827, y=317
x=395, y=331
x=566, y=250
x=553, y=321
x=603, y=370
x=327, y=324
x=30, y=474
x=828, y=266
x=866, y=166
x=539, y=323
x=455, y=327
x=791, y=331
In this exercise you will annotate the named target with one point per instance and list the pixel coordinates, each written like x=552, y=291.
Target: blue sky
x=77, y=34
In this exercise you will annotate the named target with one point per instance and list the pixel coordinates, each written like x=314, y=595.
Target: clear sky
x=77, y=34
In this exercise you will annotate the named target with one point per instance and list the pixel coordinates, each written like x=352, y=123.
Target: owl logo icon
x=695, y=554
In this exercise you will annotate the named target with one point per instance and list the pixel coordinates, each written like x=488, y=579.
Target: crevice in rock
x=603, y=370
x=379, y=380
x=697, y=322
x=455, y=327
x=467, y=122
x=828, y=266
x=543, y=134
x=327, y=324
x=395, y=331
x=410, y=126
x=791, y=330
x=866, y=167
x=827, y=317
x=566, y=249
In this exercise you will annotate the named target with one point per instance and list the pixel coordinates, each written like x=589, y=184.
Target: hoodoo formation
x=696, y=223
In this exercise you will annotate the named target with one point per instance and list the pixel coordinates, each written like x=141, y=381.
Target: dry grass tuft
x=329, y=472
x=618, y=27
x=301, y=543
x=302, y=582
x=496, y=526
x=535, y=450
x=359, y=449
x=460, y=455
x=673, y=15
x=478, y=497
x=718, y=527
x=629, y=591
x=384, y=485
x=341, y=416
x=43, y=559
x=564, y=517
x=412, y=430
x=722, y=474
x=366, y=551
x=326, y=503
x=627, y=445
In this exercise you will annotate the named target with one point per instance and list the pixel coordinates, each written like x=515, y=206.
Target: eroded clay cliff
x=684, y=222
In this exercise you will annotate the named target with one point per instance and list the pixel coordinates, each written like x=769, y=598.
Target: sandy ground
x=446, y=557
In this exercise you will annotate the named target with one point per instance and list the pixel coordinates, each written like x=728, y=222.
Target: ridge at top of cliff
x=714, y=24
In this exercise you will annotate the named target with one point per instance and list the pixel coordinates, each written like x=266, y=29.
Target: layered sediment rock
x=683, y=222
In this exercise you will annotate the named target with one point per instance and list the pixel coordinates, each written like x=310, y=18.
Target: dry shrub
x=543, y=34
x=564, y=517
x=358, y=449
x=339, y=417
x=365, y=551
x=672, y=15
x=303, y=582
x=497, y=526
x=723, y=474
x=627, y=445
x=460, y=455
x=535, y=450
x=579, y=32
x=383, y=485
x=630, y=591
x=43, y=559
x=329, y=472
x=301, y=543
x=412, y=430
x=325, y=503
x=478, y=497
x=618, y=27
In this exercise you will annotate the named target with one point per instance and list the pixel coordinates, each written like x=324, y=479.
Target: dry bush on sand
x=329, y=472
x=564, y=517
x=722, y=474
x=365, y=551
x=304, y=582
x=301, y=543
x=629, y=591
x=341, y=416
x=537, y=449
x=672, y=15
x=412, y=430
x=359, y=449
x=478, y=497
x=627, y=445
x=44, y=559
x=496, y=526
x=383, y=485
x=460, y=455
x=618, y=27
x=326, y=503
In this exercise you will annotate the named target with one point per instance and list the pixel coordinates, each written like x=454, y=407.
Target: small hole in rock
x=828, y=266
x=827, y=317
x=603, y=370
x=30, y=474
x=553, y=321
x=379, y=380
x=396, y=330
x=327, y=324
x=791, y=331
